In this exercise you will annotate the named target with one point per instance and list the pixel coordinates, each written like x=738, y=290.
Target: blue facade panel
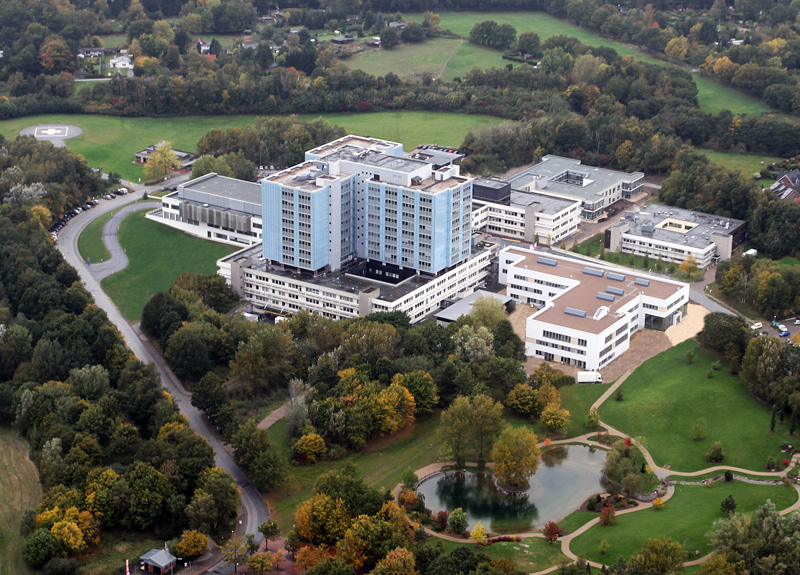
x=271, y=233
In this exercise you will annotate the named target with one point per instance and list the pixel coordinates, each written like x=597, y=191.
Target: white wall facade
x=515, y=221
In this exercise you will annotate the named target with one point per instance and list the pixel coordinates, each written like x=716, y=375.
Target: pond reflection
x=566, y=477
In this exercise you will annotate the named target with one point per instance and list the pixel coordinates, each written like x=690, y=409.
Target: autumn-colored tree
x=160, y=161
x=516, y=456
x=322, y=519
x=658, y=503
x=522, y=399
x=422, y=388
x=551, y=532
x=68, y=534
x=677, y=48
x=660, y=556
x=555, y=418
x=235, y=551
x=725, y=68
x=608, y=515
x=264, y=562
x=55, y=55
x=310, y=556
x=398, y=561
x=41, y=215
x=689, y=266
x=547, y=395
x=370, y=538
x=191, y=544
x=624, y=153
x=478, y=534
x=396, y=408
x=310, y=448
x=408, y=498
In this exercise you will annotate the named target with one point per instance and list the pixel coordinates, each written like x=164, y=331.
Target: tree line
x=111, y=447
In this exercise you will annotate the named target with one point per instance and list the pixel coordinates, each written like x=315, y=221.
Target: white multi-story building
x=523, y=215
x=673, y=234
x=214, y=207
x=356, y=228
x=595, y=188
x=587, y=312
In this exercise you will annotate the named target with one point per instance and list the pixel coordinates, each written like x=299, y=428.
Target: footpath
x=663, y=474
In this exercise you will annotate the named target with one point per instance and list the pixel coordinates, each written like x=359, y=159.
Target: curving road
x=253, y=509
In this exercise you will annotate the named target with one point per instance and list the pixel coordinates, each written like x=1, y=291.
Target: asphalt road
x=253, y=509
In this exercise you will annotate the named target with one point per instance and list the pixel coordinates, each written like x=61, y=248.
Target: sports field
x=19, y=492
x=111, y=142
x=157, y=255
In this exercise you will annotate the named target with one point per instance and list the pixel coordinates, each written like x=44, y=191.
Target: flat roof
x=434, y=156
x=549, y=204
x=650, y=222
x=353, y=140
x=225, y=187
x=344, y=279
x=374, y=158
x=464, y=305
x=595, y=180
x=583, y=296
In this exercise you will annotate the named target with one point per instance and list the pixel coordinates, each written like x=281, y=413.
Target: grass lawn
x=90, y=242
x=576, y=520
x=114, y=40
x=788, y=262
x=157, y=254
x=686, y=518
x=747, y=163
x=19, y=491
x=407, y=60
x=712, y=97
x=664, y=398
x=114, y=549
x=111, y=142
x=628, y=260
x=732, y=302
x=381, y=463
x=541, y=555
x=577, y=399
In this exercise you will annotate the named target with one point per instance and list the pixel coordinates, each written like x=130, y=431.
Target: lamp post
x=188, y=564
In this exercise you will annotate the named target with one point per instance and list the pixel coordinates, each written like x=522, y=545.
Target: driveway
x=254, y=510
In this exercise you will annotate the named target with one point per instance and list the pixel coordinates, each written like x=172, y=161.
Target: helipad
x=53, y=133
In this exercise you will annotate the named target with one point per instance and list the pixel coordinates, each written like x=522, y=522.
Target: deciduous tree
x=516, y=456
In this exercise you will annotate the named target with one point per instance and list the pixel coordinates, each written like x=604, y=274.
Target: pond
x=566, y=477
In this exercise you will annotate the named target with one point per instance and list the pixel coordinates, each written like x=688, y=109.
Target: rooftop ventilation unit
x=641, y=282
x=615, y=290
x=575, y=312
x=605, y=296
x=616, y=277
x=547, y=261
x=594, y=272
x=601, y=312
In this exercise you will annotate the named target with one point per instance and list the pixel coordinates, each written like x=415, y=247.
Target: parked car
x=781, y=327
x=122, y=191
x=756, y=325
x=797, y=322
x=784, y=333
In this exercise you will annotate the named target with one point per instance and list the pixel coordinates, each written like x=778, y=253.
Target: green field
x=114, y=548
x=114, y=40
x=542, y=555
x=19, y=492
x=111, y=142
x=749, y=164
x=381, y=463
x=712, y=97
x=90, y=242
x=686, y=518
x=444, y=58
x=664, y=398
x=577, y=399
x=157, y=254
